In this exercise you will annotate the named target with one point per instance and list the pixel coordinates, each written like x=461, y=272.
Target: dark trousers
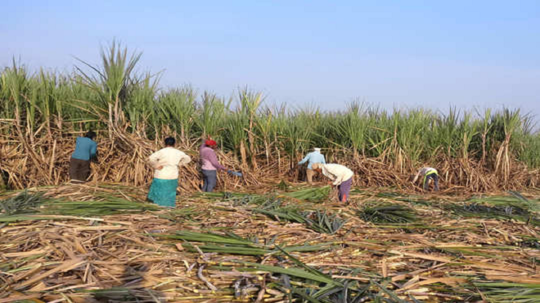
x=210, y=180
x=344, y=189
x=79, y=169
x=435, y=178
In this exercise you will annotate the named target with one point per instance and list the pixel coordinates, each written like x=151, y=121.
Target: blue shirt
x=85, y=149
x=313, y=157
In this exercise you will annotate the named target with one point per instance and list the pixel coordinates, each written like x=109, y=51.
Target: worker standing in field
x=209, y=164
x=340, y=175
x=313, y=157
x=166, y=162
x=79, y=164
x=427, y=173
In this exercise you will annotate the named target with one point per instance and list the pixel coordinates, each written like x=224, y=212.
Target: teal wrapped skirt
x=163, y=192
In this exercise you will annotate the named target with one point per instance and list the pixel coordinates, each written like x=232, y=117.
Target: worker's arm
x=154, y=159
x=416, y=177
x=306, y=158
x=338, y=180
x=214, y=160
x=93, y=150
x=184, y=160
x=323, y=160
x=330, y=174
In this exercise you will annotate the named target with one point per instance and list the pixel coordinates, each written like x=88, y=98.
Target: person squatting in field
x=340, y=174
x=428, y=173
x=79, y=164
x=209, y=164
x=166, y=162
x=313, y=157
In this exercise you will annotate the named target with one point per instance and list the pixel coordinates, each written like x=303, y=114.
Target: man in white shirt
x=166, y=162
x=340, y=174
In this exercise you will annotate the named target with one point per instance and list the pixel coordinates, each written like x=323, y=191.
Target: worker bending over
x=428, y=173
x=313, y=157
x=85, y=150
x=166, y=162
x=340, y=174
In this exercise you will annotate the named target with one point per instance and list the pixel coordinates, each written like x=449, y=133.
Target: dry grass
x=42, y=161
x=121, y=258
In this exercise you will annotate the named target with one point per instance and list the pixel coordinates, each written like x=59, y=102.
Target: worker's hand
x=331, y=183
x=235, y=173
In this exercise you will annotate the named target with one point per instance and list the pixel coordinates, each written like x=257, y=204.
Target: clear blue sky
x=391, y=53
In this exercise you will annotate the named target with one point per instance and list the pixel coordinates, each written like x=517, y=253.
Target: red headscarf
x=210, y=143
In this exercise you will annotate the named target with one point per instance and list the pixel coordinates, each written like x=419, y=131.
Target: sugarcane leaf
x=296, y=272
x=304, y=295
x=308, y=268
x=388, y=292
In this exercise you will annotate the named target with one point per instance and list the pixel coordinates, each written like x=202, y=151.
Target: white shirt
x=170, y=158
x=337, y=172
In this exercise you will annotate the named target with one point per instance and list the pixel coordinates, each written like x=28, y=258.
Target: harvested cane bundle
x=315, y=195
x=324, y=222
x=283, y=185
x=237, y=199
x=234, y=244
x=387, y=213
x=515, y=207
x=273, y=208
x=509, y=292
x=319, y=221
x=494, y=212
x=21, y=203
x=96, y=208
x=291, y=214
x=324, y=287
x=516, y=201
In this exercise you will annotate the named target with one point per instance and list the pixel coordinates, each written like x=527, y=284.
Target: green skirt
x=163, y=192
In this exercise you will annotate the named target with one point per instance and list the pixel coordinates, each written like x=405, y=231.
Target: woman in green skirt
x=165, y=163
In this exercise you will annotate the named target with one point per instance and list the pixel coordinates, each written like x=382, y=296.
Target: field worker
x=313, y=157
x=166, y=162
x=341, y=175
x=85, y=150
x=428, y=173
x=210, y=165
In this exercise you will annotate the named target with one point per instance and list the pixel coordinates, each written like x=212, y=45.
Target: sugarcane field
x=115, y=187
x=263, y=234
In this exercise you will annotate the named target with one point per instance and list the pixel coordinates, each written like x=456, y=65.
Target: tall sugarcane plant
x=113, y=79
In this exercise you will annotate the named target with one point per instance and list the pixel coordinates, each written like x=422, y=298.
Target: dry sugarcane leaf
x=15, y=297
x=451, y=281
x=65, y=266
x=101, y=227
x=516, y=279
x=421, y=256
x=24, y=254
